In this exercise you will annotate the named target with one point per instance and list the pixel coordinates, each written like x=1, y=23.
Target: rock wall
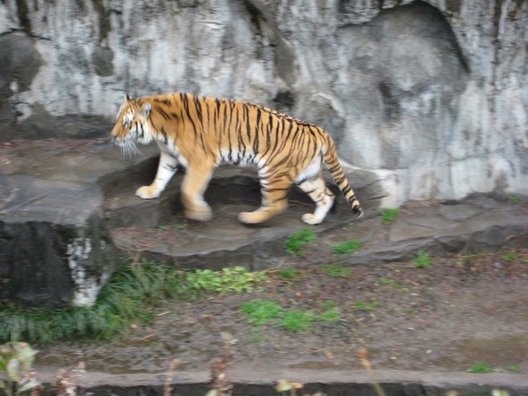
x=430, y=97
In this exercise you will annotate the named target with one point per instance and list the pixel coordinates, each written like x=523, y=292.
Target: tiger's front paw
x=148, y=192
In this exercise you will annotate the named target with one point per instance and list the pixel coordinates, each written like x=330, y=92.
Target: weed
x=16, y=360
x=386, y=281
x=288, y=274
x=422, y=259
x=512, y=368
x=235, y=279
x=479, y=367
x=298, y=239
x=388, y=215
x=255, y=336
x=336, y=270
x=347, y=246
x=509, y=256
x=128, y=296
x=261, y=311
x=330, y=315
x=176, y=226
x=514, y=199
x=366, y=305
x=297, y=320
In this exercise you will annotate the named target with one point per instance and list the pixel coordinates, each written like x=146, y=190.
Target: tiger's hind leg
x=321, y=195
x=274, y=200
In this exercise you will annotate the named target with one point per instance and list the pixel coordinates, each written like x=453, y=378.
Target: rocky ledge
x=68, y=213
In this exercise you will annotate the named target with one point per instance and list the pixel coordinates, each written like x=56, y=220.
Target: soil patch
x=446, y=316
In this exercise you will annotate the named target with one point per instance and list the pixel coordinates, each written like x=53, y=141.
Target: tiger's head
x=133, y=125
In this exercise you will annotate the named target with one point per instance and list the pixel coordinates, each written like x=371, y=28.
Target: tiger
x=199, y=133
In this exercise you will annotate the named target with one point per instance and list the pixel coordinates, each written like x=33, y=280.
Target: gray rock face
x=430, y=96
x=54, y=247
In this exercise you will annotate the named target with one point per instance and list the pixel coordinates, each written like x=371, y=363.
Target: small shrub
x=514, y=199
x=235, y=279
x=347, y=246
x=288, y=274
x=509, y=256
x=297, y=320
x=261, y=311
x=330, y=315
x=336, y=270
x=386, y=281
x=422, y=259
x=298, y=239
x=16, y=360
x=479, y=367
x=388, y=215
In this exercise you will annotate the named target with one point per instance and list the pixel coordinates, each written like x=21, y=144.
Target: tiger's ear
x=127, y=98
x=145, y=110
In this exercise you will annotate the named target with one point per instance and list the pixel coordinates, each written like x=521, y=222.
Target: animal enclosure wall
x=428, y=98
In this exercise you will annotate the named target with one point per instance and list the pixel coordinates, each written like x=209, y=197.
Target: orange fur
x=201, y=132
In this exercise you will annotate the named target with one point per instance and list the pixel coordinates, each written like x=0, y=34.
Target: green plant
x=129, y=295
x=16, y=360
x=422, y=259
x=235, y=279
x=297, y=320
x=261, y=311
x=176, y=226
x=386, y=281
x=330, y=315
x=512, y=368
x=479, y=367
x=388, y=215
x=509, y=256
x=298, y=239
x=288, y=274
x=336, y=270
x=365, y=305
x=514, y=199
x=347, y=246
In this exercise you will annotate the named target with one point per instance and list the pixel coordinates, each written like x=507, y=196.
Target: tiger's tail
x=334, y=167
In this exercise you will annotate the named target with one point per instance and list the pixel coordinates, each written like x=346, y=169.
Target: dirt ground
x=456, y=312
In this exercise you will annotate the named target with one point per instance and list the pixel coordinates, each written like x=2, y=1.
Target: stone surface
x=55, y=247
x=262, y=382
x=429, y=96
x=74, y=200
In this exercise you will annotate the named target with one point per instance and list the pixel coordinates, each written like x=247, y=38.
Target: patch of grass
x=298, y=239
x=336, y=270
x=388, y=215
x=514, y=199
x=261, y=311
x=422, y=259
x=366, y=305
x=386, y=281
x=234, y=279
x=479, y=367
x=288, y=274
x=297, y=320
x=129, y=295
x=512, y=368
x=176, y=226
x=330, y=315
x=347, y=246
x=255, y=336
x=509, y=256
